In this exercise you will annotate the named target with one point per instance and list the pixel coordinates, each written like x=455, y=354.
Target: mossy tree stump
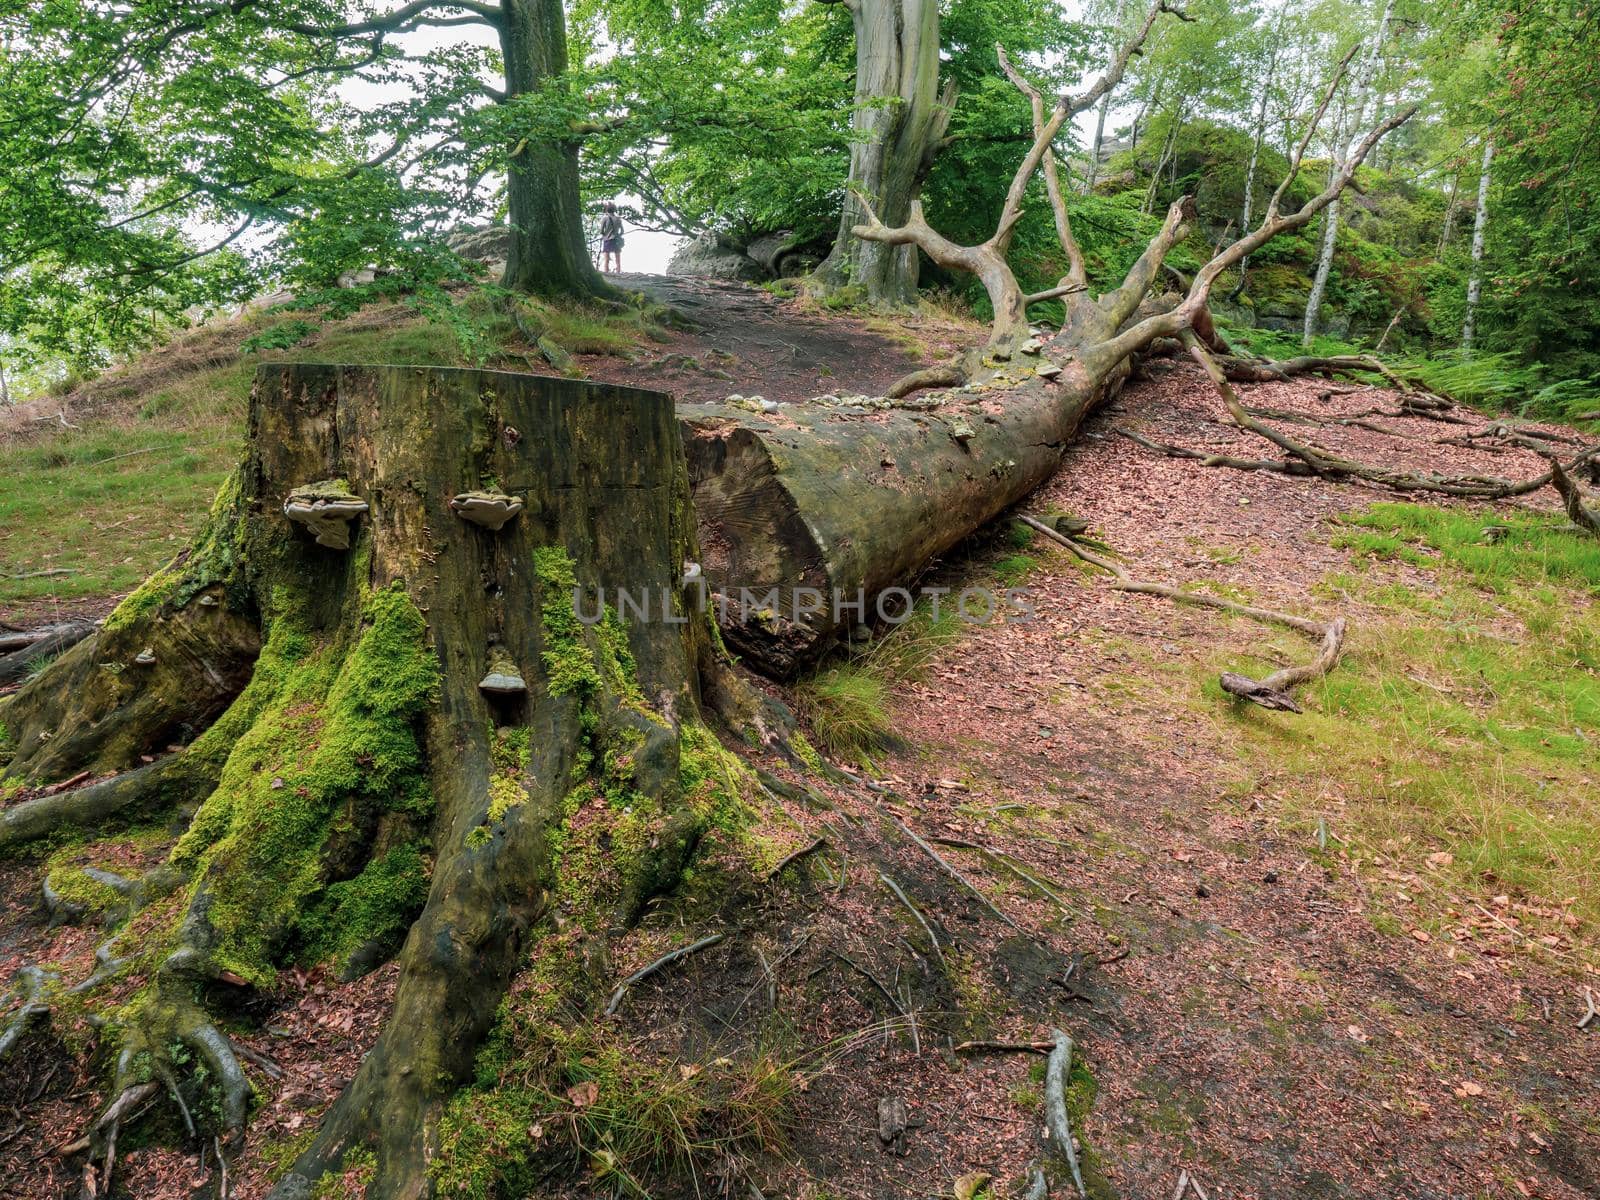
x=345, y=782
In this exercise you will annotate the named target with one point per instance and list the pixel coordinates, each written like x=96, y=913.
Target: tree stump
x=343, y=776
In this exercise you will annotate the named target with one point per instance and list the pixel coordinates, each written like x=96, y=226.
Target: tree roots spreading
x=312, y=719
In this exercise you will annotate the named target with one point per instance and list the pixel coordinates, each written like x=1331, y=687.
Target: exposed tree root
x=1582, y=514
x=1271, y=692
x=1306, y=459
x=650, y=969
x=143, y=791
x=1057, y=1125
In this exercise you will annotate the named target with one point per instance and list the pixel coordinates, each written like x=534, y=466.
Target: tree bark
x=1341, y=155
x=1259, y=140
x=806, y=517
x=1480, y=225
x=548, y=251
x=900, y=119
x=353, y=723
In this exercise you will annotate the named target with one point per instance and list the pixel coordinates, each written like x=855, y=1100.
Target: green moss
x=1014, y=568
x=355, y=1174
x=544, y=1082
x=377, y=906
x=806, y=753
x=329, y=741
x=213, y=559
x=77, y=888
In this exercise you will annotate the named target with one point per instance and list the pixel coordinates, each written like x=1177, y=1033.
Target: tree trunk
x=1101, y=111
x=1341, y=155
x=1255, y=148
x=360, y=735
x=548, y=251
x=1480, y=225
x=900, y=118
x=1448, y=229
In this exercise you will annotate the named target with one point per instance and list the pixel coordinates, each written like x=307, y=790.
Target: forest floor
x=1333, y=954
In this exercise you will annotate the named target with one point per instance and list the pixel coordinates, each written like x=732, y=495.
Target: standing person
x=611, y=239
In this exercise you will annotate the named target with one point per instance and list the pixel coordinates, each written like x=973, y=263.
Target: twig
x=260, y=1060
x=1588, y=999
x=772, y=980
x=1055, y=1105
x=40, y=574
x=1271, y=692
x=223, y=1189
x=791, y=859
x=666, y=959
x=894, y=1002
x=915, y=912
x=1515, y=932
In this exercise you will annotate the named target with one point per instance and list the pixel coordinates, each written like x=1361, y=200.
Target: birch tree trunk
x=1341, y=154
x=1093, y=172
x=1479, y=226
x=1255, y=146
x=900, y=119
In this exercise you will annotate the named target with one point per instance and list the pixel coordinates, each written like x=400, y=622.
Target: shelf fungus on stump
x=489, y=509
x=326, y=510
x=503, y=678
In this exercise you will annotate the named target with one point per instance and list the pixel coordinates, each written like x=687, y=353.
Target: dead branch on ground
x=1271, y=692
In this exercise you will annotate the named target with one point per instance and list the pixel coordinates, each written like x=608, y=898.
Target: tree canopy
x=166, y=158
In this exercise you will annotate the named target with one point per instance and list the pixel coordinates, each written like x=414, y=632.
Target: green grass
x=1464, y=719
x=848, y=703
x=1527, y=548
x=108, y=504
x=848, y=708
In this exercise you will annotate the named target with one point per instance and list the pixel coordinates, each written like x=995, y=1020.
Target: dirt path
x=1251, y=1024
x=752, y=342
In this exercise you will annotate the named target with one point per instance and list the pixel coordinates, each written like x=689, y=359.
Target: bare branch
x=1119, y=65
x=1311, y=129
x=1170, y=324
x=418, y=12
x=1077, y=272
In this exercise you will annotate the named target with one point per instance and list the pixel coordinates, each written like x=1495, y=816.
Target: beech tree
x=900, y=118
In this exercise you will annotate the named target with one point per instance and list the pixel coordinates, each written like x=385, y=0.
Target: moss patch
x=329, y=741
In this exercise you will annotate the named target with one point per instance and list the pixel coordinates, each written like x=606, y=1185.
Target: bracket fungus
x=503, y=678
x=489, y=509
x=326, y=510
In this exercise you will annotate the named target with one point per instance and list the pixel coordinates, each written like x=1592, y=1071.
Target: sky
x=643, y=250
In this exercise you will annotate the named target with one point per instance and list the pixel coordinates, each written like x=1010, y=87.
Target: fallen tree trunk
x=807, y=515
x=22, y=654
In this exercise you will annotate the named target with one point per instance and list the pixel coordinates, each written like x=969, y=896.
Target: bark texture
x=549, y=253
x=1480, y=225
x=900, y=119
